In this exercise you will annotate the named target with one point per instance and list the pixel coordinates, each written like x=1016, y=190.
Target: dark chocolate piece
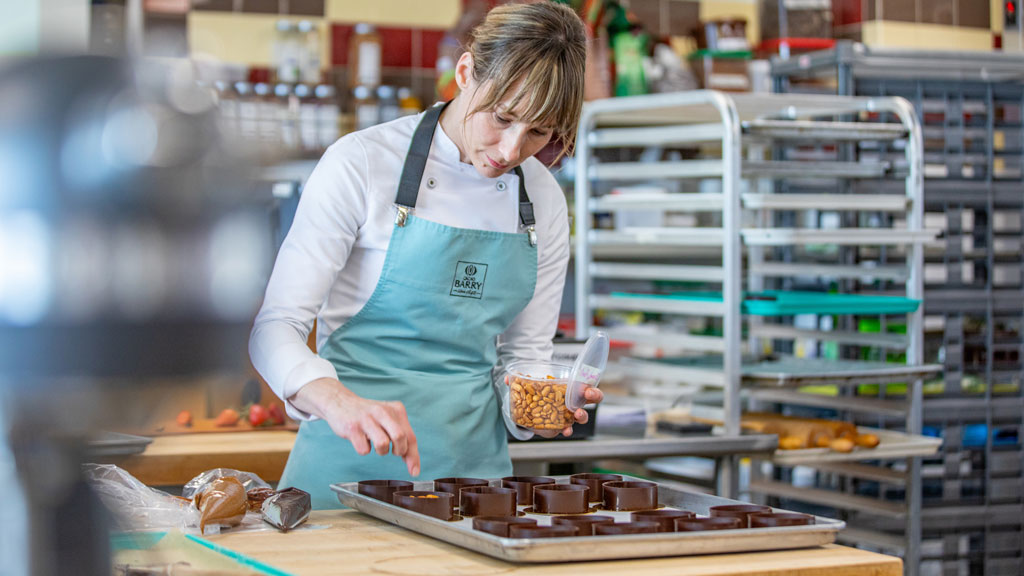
x=499, y=525
x=584, y=522
x=287, y=509
x=630, y=495
x=626, y=528
x=440, y=505
x=594, y=481
x=666, y=519
x=701, y=524
x=453, y=485
x=765, y=520
x=741, y=511
x=383, y=489
x=256, y=496
x=556, y=531
x=487, y=501
x=561, y=499
x=523, y=485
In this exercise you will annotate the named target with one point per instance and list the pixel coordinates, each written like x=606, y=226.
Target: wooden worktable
x=357, y=544
x=176, y=459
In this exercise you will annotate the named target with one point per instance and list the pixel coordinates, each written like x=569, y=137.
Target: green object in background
x=785, y=303
x=628, y=50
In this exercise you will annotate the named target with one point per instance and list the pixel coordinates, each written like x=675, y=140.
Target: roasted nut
x=539, y=404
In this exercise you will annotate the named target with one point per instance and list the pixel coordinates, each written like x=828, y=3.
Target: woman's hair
x=544, y=45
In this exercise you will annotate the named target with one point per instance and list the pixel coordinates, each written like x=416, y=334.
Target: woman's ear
x=464, y=71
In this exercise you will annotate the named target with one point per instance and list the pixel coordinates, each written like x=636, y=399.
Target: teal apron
x=427, y=338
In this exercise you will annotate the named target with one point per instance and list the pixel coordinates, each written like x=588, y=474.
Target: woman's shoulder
x=541, y=184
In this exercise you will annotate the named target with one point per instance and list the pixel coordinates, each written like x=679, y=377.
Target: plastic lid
x=587, y=371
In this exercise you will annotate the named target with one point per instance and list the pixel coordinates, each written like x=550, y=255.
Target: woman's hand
x=361, y=421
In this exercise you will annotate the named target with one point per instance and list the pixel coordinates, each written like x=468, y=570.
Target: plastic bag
x=199, y=483
x=136, y=506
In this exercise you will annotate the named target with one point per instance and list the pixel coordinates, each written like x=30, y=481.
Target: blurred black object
x=131, y=247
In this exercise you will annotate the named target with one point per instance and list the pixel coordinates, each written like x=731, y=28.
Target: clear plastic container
x=537, y=393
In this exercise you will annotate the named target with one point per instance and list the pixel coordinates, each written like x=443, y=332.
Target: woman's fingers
x=593, y=395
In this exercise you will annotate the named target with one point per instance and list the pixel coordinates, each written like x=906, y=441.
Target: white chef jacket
x=332, y=257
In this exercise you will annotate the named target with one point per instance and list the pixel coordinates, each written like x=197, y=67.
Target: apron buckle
x=403, y=213
x=532, y=234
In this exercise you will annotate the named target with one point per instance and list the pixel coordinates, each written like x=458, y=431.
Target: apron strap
x=416, y=159
x=416, y=163
x=525, y=206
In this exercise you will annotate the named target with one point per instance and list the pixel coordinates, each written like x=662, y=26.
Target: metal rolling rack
x=725, y=126
x=971, y=107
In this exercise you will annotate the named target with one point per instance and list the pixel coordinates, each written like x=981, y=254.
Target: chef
x=431, y=251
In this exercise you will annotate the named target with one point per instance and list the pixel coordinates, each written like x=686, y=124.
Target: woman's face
x=496, y=141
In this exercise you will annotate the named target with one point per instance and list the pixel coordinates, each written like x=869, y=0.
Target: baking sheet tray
x=891, y=445
x=587, y=548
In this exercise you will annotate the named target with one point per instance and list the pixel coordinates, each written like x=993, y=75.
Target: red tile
x=846, y=12
x=430, y=40
x=396, y=45
x=340, y=34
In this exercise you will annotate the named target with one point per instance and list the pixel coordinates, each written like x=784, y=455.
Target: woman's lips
x=495, y=164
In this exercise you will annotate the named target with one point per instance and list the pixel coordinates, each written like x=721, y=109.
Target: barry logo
x=469, y=280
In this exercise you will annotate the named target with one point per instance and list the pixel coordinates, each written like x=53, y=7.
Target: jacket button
x=431, y=183
x=501, y=186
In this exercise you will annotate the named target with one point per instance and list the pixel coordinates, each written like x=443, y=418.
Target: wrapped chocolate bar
x=223, y=502
x=287, y=509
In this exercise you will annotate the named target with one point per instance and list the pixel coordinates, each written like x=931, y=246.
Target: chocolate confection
x=584, y=523
x=222, y=502
x=383, y=489
x=666, y=519
x=287, y=509
x=487, y=501
x=741, y=511
x=594, y=481
x=561, y=499
x=453, y=485
x=626, y=528
x=701, y=524
x=630, y=495
x=256, y=496
x=556, y=531
x=780, y=519
x=499, y=525
x=523, y=485
x=440, y=505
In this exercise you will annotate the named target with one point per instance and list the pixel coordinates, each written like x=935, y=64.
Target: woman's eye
x=539, y=132
x=502, y=119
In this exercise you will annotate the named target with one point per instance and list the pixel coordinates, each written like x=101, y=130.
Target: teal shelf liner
x=786, y=303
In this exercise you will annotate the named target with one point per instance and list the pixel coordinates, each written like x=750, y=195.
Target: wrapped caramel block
x=222, y=502
x=287, y=509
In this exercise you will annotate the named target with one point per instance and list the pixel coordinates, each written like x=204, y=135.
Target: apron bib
x=426, y=337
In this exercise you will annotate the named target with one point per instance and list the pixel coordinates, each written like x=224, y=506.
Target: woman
x=430, y=258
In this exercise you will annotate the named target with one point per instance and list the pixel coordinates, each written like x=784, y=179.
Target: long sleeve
x=530, y=335
x=330, y=213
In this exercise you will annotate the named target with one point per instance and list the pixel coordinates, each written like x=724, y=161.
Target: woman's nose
x=511, y=145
